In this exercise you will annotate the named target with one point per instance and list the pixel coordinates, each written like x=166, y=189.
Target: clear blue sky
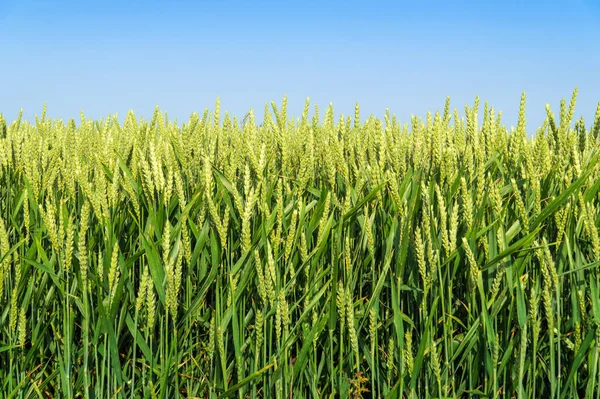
x=110, y=56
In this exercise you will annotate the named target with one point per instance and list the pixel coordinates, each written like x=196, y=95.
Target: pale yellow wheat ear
x=22, y=328
x=114, y=272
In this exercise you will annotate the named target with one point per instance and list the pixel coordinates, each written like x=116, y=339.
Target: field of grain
x=300, y=258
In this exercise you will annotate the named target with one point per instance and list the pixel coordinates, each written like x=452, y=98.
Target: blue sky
x=105, y=57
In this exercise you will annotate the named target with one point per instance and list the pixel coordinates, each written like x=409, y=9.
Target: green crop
x=300, y=258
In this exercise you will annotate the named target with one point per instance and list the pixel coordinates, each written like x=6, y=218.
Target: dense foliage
x=300, y=258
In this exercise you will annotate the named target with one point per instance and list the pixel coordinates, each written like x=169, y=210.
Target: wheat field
x=313, y=257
